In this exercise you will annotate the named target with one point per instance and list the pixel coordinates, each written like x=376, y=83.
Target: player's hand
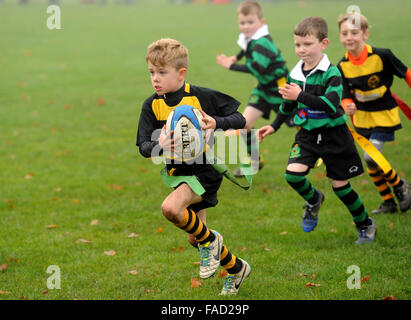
x=225, y=61
x=350, y=109
x=165, y=141
x=263, y=132
x=290, y=91
x=209, y=122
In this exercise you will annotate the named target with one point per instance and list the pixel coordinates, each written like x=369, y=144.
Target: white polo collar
x=297, y=72
x=243, y=41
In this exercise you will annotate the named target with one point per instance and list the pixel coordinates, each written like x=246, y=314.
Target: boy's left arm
x=329, y=101
x=399, y=69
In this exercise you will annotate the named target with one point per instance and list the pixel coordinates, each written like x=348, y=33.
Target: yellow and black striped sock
x=193, y=225
x=378, y=178
x=393, y=179
x=229, y=261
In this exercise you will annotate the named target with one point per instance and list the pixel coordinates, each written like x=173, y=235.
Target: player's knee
x=169, y=211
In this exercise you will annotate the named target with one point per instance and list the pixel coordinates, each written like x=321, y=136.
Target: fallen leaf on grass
x=4, y=292
x=51, y=226
x=366, y=278
x=196, y=263
x=160, y=230
x=132, y=235
x=83, y=241
x=29, y=176
x=195, y=283
x=110, y=253
x=3, y=266
x=101, y=101
x=116, y=187
x=222, y=274
x=133, y=272
x=390, y=298
x=283, y=233
x=10, y=204
x=312, y=284
x=94, y=222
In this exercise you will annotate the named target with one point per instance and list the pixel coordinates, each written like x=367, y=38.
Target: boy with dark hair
x=264, y=61
x=314, y=87
x=167, y=61
x=367, y=77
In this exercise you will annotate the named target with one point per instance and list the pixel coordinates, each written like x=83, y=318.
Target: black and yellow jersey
x=367, y=80
x=156, y=109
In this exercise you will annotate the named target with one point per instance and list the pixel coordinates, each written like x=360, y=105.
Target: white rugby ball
x=186, y=122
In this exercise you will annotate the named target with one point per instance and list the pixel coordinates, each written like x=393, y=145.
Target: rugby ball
x=186, y=123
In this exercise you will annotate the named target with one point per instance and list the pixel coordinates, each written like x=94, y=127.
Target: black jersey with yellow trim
x=156, y=109
x=368, y=84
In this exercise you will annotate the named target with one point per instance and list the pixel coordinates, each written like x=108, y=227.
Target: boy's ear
x=182, y=72
x=366, y=34
x=324, y=43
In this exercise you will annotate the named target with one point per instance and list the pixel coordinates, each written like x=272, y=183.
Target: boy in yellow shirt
x=367, y=77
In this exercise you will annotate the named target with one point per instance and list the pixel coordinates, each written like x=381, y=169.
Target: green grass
x=66, y=160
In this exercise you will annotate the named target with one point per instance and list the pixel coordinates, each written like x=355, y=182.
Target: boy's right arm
x=148, y=132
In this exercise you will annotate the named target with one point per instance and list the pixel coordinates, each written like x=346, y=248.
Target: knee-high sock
x=393, y=179
x=193, y=225
x=302, y=185
x=229, y=261
x=353, y=203
x=378, y=178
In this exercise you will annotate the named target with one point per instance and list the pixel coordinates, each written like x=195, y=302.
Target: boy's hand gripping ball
x=189, y=142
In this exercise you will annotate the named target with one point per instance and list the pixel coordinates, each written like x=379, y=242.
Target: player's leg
x=365, y=225
x=251, y=115
x=381, y=180
x=378, y=178
x=296, y=178
x=202, y=215
x=176, y=209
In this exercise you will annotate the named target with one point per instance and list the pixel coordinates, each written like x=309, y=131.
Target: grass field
x=69, y=108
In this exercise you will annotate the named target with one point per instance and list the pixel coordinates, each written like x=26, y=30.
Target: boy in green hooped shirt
x=264, y=61
x=314, y=88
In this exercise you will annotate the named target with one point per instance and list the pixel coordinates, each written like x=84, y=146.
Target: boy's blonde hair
x=250, y=6
x=354, y=18
x=312, y=26
x=167, y=52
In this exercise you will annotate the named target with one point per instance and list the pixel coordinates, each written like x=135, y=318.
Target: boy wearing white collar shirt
x=314, y=88
x=264, y=61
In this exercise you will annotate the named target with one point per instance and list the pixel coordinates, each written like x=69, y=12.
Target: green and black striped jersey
x=265, y=62
x=319, y=101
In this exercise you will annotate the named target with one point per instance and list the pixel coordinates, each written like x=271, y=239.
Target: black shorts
x=334, y=145
x=265, y=107
x=208, y=177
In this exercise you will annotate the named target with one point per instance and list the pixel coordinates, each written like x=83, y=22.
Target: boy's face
x=166, y=79
x=249, y=24
x=309, y=49
x=353, y=39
